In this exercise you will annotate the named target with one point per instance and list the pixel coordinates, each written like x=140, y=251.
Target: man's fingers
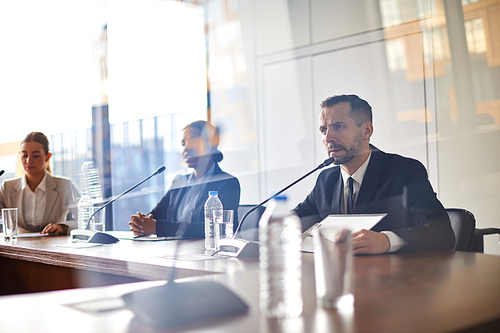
x=137, y=225
x=136, y=231
x=369, y=242
x=141, y=216
x=341, y=236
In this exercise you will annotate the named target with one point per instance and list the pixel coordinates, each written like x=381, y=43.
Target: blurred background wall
x=115, y=81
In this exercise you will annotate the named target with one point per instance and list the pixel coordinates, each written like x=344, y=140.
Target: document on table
x=130, y=236
x=193, y=257
x=353, y=222
x=154, y=238
x=78, y=245
x=30, y=234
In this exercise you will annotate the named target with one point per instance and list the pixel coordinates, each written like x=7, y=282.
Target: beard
x=350, y=152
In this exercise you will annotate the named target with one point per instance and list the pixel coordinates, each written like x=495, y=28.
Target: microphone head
x=160, y=170
x=328, y=161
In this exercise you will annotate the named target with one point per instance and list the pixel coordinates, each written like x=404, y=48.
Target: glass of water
x=98, y=222
x=333, y=268
x=9, y=216
x=223, y=226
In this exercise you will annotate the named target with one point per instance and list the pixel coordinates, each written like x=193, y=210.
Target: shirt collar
x=42, y=186
x=359, y=174
x=208, y=175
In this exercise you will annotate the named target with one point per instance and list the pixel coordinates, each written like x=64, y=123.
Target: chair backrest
x=250, y=228
x=463, y=224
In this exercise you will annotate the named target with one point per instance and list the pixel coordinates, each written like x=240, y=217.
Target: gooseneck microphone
x=179, y=303
x=238, y=247
x=101, y=237
x=158, y=171
x=327, y=162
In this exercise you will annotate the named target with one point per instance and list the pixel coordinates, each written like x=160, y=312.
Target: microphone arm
x=327, y=162
x=158, y=171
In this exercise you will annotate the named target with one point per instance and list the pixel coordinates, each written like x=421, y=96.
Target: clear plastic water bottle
x=91, y=181
x=280, y=261
x=212, y=204
x=84, y=210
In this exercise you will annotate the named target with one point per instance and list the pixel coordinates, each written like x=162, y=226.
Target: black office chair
x=463, y=224
x=249, y=230
x=477, y=244
x=467, y=237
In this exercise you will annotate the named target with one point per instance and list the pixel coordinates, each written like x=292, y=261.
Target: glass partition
x=258, y=70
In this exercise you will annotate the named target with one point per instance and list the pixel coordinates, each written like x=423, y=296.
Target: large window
x=143, y=61
x=257, y=69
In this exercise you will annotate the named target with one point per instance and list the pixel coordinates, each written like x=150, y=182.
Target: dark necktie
x=350, y=191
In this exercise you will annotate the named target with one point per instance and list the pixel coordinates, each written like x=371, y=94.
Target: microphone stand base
x=238, y=247
x=91, y=236
x=176, y=304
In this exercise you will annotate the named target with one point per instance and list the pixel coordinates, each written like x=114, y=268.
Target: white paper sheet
x=30, y=234
x=353, y=222
x=78, y=245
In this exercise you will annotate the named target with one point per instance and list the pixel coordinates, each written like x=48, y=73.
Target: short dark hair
x=361, y=110
x=202, y=127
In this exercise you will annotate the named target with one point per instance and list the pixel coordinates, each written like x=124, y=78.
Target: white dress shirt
x=33, y=202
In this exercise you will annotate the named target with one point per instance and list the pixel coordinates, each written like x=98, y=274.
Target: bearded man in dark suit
x=381, y=183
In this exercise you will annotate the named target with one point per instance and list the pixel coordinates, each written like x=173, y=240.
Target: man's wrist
x=395, y=242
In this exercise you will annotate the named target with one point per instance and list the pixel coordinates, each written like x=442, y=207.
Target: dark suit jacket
x=392, y=184
x=165, y=211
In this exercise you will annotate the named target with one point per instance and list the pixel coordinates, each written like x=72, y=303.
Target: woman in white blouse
x=46, y=203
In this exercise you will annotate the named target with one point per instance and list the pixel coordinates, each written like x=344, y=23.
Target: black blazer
x=165, y=211
x=392, y=184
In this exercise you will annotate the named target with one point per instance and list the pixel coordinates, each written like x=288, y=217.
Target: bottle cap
x=280, y=197
x=213, y=193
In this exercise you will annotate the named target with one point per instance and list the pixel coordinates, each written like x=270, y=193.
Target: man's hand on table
x=142, y=224
x=369, y=242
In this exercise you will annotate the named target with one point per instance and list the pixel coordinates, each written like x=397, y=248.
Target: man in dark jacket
x=184, y=201
x=367, y=181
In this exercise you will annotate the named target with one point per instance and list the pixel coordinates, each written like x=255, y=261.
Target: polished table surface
x=54, y=265
x=426, y=292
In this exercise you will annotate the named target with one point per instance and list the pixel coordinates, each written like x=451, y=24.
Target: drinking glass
x=223, y=226
x=9, y=216
x=333, y=268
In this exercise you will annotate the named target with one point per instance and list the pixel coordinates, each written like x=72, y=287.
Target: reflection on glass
x=476, y=38
x=396, y=54
x=390, y=12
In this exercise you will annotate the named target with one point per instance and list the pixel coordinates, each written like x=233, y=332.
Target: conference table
x=56, y=263
x=420, y=292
